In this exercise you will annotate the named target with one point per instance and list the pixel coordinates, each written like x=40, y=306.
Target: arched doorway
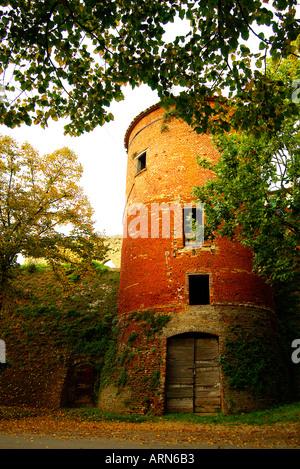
x=79, y=386
x=192, y=375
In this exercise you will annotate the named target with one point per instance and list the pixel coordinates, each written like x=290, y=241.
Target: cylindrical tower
x=179, y=297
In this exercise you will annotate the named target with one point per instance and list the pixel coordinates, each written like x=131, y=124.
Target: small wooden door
x=84, y=384
x=180, y=375
x=193, y=378
x=207, y=396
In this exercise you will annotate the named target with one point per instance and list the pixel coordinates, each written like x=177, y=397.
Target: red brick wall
x=154, y=271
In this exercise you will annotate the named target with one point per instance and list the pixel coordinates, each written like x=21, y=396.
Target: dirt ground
x=63, y=433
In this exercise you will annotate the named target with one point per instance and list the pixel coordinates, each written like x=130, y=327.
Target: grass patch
x=16, y=413
x=284, y=414
x=34, y=267
x=287, y=413
x=92, y=414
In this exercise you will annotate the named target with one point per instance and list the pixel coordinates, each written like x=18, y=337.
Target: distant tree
x=71, y=58
x=43, y=210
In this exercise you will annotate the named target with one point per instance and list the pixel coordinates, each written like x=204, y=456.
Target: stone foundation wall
x=144, y=351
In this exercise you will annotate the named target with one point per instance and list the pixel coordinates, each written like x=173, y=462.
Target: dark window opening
x=199, y=289
x=141, y=162
x=193, y=227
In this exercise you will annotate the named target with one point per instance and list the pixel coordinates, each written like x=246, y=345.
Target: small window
x=199, y=289
x=141, y=162
x=193, y=227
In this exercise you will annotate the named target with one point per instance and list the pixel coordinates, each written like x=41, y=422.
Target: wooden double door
x=192, y=375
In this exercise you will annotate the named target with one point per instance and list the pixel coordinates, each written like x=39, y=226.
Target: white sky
x=101, y=152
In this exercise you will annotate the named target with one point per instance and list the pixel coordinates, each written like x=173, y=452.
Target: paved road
x=45, y=432
x=50, y=442
x=8, y=441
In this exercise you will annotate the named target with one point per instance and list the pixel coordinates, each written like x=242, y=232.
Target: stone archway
x=192, y=374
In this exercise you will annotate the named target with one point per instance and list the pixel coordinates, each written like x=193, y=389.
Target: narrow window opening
x=141, y=162
x=199, y=289
x=193, y=227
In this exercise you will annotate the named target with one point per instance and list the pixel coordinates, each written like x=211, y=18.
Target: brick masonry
x=154, y=271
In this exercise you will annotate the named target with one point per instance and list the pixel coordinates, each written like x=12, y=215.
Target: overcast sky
x=101, y=152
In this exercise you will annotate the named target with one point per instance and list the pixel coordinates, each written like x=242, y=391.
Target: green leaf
x=245, y=32
x=48, y=48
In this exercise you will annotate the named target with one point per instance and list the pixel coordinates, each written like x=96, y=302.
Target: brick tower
x=179, y=297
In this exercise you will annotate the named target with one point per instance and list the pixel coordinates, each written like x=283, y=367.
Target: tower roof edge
x=140, y=116
x=147, y=111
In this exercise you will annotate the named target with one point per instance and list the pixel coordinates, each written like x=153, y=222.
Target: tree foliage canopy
x=255, y=193
x=255, y=196
x=38, y=197
x=71, y=58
